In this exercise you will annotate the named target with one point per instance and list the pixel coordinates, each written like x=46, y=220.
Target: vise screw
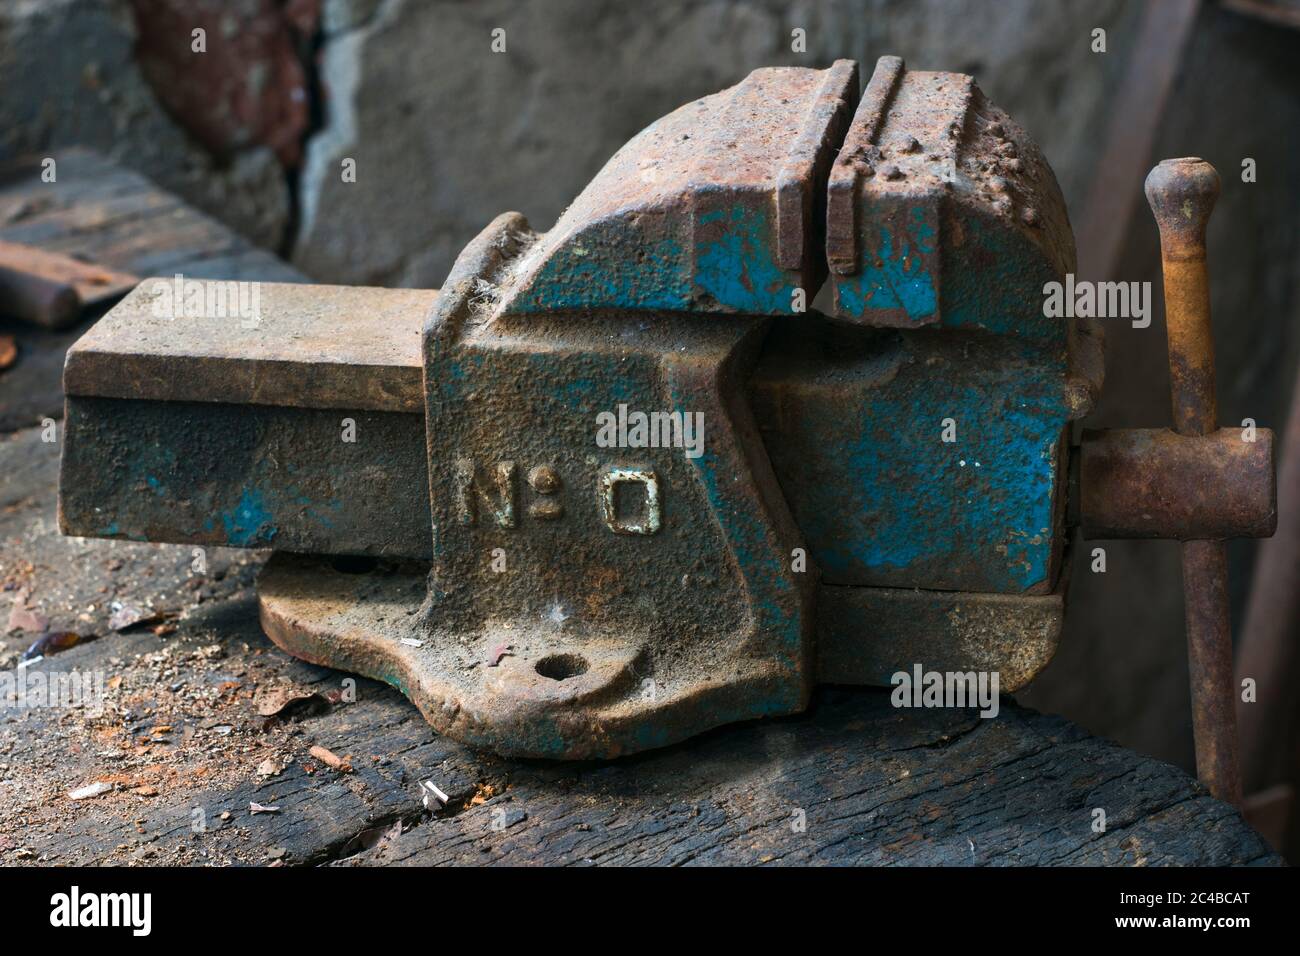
x=619, y=482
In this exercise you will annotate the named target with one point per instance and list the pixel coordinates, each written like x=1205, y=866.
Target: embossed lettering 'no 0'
x=493, y=489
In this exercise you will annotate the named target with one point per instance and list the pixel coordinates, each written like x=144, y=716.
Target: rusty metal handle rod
x=38, y=299
x=1182, y=193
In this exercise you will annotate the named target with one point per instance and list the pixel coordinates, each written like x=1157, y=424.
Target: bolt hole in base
x=561, y=666
x=354, y=564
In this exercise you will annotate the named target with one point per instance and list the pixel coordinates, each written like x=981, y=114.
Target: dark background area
x=447, y=134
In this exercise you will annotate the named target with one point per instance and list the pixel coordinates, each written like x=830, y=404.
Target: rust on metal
x=934, y=183
x=864, y=633
x=678, y=574
x=714, y=208
x=50, y=289
x=676, y=568
x=1209, y=659
x=855, y=160
x=1156, y=483
x=1182, y=193
x=269, y=343
x=800, y=180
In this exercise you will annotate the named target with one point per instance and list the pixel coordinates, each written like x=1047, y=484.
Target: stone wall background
x=446, y=134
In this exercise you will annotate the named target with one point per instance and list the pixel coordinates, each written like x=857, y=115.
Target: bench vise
x=619, y=482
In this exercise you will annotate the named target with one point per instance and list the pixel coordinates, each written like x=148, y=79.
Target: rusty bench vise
x=617, y=483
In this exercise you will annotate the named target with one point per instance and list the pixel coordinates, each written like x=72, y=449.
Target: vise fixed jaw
x=617, y=483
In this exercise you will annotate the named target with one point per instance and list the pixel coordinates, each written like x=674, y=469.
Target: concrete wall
x=446, y=133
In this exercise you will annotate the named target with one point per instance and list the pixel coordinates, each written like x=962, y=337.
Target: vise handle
x=1199, y=484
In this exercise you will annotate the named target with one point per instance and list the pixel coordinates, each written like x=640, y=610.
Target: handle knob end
x=1182, y=193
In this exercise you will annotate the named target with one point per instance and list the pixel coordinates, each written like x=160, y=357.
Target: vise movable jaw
x=616, y=483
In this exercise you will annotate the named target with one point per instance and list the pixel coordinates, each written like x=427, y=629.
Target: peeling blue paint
x=593, y=269
x=922, y=501
x=737, y=269
x=249, y=521
x=898, y=274
x=911, y=509
x=994, y=281
x=614, y=264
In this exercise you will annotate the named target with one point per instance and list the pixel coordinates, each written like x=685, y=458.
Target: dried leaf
x=128, y=615
x=21, y=619
x=371, y=838
x=284, y=701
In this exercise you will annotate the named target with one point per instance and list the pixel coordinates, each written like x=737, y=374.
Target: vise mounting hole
x=354, y=564
x=561, y=666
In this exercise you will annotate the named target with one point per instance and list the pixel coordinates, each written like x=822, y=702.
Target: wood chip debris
x=331, y=759
x=98, y=788
x=432, y=791
x=256, y=808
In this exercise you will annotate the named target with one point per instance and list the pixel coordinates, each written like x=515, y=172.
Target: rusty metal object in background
x=52, y=290
x=539, y=592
